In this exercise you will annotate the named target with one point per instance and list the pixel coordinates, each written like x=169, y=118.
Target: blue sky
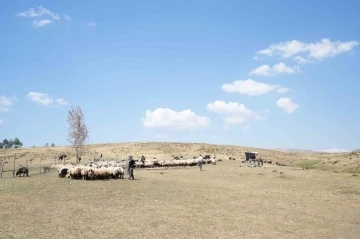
x=271, y=74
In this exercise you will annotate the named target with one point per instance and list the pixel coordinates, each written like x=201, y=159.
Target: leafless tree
x=78, y=132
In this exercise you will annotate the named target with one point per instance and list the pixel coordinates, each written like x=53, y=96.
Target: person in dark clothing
x=131, y=167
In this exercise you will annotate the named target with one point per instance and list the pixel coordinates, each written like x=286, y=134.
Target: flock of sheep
x=116, y=170
x=91, y=171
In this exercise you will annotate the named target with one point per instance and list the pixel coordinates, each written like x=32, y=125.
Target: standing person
x=200, y=160
x=131, y=167
x=142, y=160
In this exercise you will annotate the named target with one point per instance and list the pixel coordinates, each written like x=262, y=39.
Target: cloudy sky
x=271, y=74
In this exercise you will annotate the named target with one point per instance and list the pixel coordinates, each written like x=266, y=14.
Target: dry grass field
x=340, y=162
x=223, y=201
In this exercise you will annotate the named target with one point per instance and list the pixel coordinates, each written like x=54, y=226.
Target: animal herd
x=90, y=172
x=116, y=170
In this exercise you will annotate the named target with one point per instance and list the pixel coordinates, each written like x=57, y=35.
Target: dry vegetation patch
x=224, y=201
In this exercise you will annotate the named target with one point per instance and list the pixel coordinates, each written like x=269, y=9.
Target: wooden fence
x=9, y=164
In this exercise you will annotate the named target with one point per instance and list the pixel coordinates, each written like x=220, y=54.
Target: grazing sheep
x=22, y=171
x=62, y=172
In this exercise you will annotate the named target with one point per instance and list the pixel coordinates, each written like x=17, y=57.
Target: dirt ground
x=223, y=201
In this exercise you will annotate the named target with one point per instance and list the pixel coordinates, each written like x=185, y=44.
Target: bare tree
x=78, y=132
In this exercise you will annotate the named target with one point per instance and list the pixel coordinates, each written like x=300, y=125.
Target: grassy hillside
x=341, y=162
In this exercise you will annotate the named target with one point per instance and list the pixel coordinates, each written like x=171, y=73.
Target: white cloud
x=161, y=136
x=41, y=23
x=40, y=11
x=221, y=107
x=301, y=60
x=318, y=51
x=40, y=98
x=169, y=119
x=263, y=70
x=252, y=88
x=45, y=99
x=266, y=70
x=6, y=103
x=235, y=113
x=287, y=105
x=229, y=120
x=91, y=24
x=1, y=121
x=67, y=17
x=335, y=150
x=61, y=101
x=282, y=90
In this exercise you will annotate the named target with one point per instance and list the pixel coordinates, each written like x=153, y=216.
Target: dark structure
x=250, y=156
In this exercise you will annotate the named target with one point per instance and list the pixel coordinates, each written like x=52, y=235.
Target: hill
x=296, y=150
x=341, y=162
x=356, y=150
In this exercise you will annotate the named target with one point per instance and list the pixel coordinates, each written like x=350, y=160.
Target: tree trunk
x=77, y=155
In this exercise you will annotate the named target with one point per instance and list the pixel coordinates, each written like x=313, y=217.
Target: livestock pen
x=11, y=163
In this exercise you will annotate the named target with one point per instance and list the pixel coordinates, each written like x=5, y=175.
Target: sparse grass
x=350, y=192
x=161, y=151
x=224, y=201
x=306, y=164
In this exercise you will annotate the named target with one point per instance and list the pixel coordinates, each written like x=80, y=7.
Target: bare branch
x=78, y=132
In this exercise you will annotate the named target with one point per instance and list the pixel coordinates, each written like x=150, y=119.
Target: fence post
x=40, y=161
x=2, y=167
x=14, y=166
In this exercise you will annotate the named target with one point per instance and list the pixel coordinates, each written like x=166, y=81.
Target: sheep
x=91, y=174
x=121, y=172
x=84, y=173
x=75, y=172
x=113, y=172
x=101, y=174
x=63, y=171
x=112, y=169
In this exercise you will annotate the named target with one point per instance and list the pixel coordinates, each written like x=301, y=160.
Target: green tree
x=11, y=143
x=52, y=145
x=17, y=142
x=5, y=141
x=1, y=145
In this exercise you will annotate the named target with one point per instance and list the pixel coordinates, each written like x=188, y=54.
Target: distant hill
x=356, y=150
x=296, y=150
